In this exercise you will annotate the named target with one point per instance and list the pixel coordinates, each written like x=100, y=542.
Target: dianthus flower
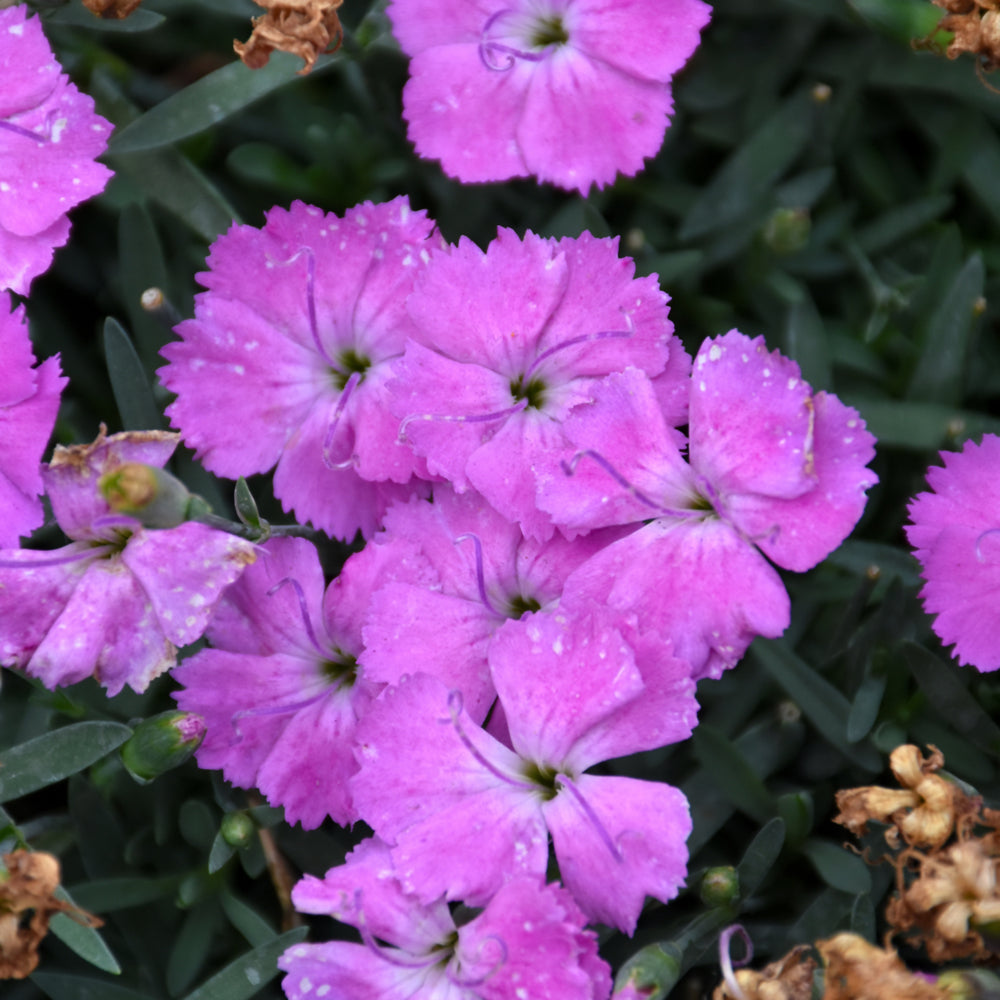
x=775, y=470
x=281, y=692
x=571, y=91
x=49, y=137
x=287, y=357
x=464, y=813
x=490, y=374
x=119, y=599
x=529, y=941
x=29, y=400
x=956, y=535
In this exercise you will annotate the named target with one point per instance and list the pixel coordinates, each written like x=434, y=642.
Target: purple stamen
x=989, y=531
x=487, y=46
x=383, y=953
x=452, y=418
x=726, y=962
x=570, y=467
x=253, y=713
x=585, y=338
x=303, y=610
x=331, y=431
x=92, y=553
x=454, y=710
x=480, y=579
x=494, y=969
x=26, y=133
x=565, y=782
x=310, y=298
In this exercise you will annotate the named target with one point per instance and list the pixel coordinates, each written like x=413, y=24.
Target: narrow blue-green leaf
x=85, y=941
x=220, y=853
x=838, y=867
x=950, y=698
x=825, y=707
x=939, y=375
x=210, y=100
x=131, y=388
x=806, y=342
x=109, y=894
x=863, y=919
x=760, y=857
x=904, y=20
x=244, y=977
x=731, y=772
x=247, y=920
x=191, y=946
x=60, y=986
x=860, y=557
x=901, y=221
x=77, y=16
x=865, y=707
x=920, y=426
x=753, y=169
x=141, y=266
x=56, y=755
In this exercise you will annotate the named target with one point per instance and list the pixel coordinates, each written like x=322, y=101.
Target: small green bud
x=651, y=973
x=153, y=497
x=787, y=230
x=720, y=886
x=246, y=507
x=238, y=829
x=160, y=743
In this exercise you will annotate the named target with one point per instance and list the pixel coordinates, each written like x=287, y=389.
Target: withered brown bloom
x=857, y=970
x=110, y=9
x=790, y=978
x=306, y=28
x=27, y=904
x=923, y=812
x=975, y=25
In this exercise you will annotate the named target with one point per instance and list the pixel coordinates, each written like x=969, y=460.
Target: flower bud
x=787, y=230
x=650, y=973
x=160, y=743
x=152, y=496
x=720, y=886
x=237, y=829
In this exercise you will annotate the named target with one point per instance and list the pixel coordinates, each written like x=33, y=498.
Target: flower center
x=544, y=778
x=348, y=363
x=518, y=606
x=341, y=672
x=531, y=390
x=549, y=31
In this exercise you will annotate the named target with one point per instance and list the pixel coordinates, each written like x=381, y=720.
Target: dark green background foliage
x=859, y=233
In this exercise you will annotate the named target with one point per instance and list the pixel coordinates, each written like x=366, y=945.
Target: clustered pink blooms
x=570, y=91
x=49, y=138
x=558, y=566
x=957, y=540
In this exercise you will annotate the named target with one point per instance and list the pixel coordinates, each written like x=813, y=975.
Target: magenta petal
x=23, y=258
x=422, y=24
x=27, y=68
x=354, y=973
x=18, y=379
x=184, y=571
x=648, y=822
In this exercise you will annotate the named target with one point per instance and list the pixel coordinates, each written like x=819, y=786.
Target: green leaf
x=920, y=426
x=939, y=376
x=806, y=341
x=904, y=20
x=84, y=940
x=220, y=853
x=747, y=176
x=825, y=707
x=950, y=698
x=838, y=867
x=109, y=894
x=191, y=946
x=865, y=707
x=77, y=16
x=60, y=986
x=734, y=776
x=863, y=919
x=131, y=388
x=760, y=857
x=210, y=100
x=142, y=266
x=798, y=812
x=50, y=758
x=901, y=221
x=652, y=971
x=247, y=920
x=244, y=977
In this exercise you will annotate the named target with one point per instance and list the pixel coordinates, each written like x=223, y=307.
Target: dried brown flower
x=110, y=9
x=790, y=978
x=923, y=812
x=857, y=970
x=27, y=904
x=306, y=28
x=975, y=25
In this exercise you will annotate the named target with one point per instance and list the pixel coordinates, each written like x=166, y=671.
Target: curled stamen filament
x=417, y=962
x=310, y=298
x=489, y=46
x=303, y=610
x=331, y=431
x=25, y=132
x=980, y=557
x=570, y=468
x=480, y=579
x=492, y=971
x=255, y=713
x=481, y=418
x=454, y=710
x=96, y=552
x=585, y=338
x=565, y=782
x=726, y=961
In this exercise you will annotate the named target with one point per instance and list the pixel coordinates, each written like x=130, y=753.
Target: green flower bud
x=720, y=886
x=651, y=973
x=787, y=230
x=237, y=829
x=160, y=743
x=153, y=497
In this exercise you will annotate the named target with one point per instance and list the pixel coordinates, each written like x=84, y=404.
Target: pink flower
x=507, y=342
x=464, y=813
x=49, y=137
x=956, y=534
x=572, y=91
x=29, y=401
x=529, y=941
x=118, y=600
x=287, y=358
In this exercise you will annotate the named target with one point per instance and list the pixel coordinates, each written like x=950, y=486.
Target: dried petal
x=306, y=28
